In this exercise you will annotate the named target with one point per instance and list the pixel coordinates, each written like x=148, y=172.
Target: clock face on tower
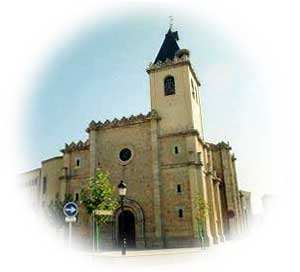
x=125, y=154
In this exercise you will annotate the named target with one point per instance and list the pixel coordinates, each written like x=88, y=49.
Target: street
x=157, y=260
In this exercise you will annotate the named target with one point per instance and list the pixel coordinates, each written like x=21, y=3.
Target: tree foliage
x=203, y=209
x=99, y=195
x=202, y=214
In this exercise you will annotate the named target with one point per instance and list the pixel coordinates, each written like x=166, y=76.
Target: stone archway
x=139, y=222
x=126, y=223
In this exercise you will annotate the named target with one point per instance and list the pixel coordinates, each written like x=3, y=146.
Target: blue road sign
x=70, y=209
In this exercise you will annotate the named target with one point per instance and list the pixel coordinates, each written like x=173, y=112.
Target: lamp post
x=122, y=192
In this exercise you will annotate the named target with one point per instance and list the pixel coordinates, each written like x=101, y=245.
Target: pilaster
x=238, y=198
x=93, y=151
x=219, y=211
x=211, y=198
x=231, y=195
x=156, y=180
x=65, y=175
x=204, y=195
x=212, y=209
x=193, y=197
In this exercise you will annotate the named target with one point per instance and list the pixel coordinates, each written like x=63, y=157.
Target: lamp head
x=122, y=188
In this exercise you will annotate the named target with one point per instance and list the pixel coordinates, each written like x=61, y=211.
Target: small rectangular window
x=76, y=196
x=180, y=213
x=77, y=162
x=179, y=188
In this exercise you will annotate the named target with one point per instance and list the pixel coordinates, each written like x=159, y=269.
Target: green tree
x=99, y=195
x=203, y=209
x=55, y=212
x=202, y=214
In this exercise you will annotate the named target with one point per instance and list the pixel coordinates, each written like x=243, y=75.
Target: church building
x=165, y=161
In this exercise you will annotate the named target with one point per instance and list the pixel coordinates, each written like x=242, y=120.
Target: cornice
x=124, y=121
x=189, y=132
x=213, y=175
x=75, y=146
x=51, y=159
x=219, y=146
x=175, y=62
x=177, y=165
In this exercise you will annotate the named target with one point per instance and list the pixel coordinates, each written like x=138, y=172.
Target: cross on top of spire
x=171, y=20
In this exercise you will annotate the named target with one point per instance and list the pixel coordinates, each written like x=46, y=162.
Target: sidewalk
x=149, y=252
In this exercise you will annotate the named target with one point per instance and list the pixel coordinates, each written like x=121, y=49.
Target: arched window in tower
x=169, y=84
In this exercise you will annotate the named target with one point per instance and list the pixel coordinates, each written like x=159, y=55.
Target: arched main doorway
x=127, y=223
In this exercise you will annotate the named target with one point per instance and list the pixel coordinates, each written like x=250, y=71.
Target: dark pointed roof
x=169, y=47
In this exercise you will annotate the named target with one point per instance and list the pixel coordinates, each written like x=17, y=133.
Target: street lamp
x=122, y=192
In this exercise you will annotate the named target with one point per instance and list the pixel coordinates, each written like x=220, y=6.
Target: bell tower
x=174, y=88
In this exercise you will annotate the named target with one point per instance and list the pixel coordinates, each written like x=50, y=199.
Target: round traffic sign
x=70, y=209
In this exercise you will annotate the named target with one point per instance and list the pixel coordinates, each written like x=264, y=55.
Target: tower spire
x=169, y=46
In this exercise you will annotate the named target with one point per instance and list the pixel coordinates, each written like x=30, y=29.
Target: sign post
x=94, y=227
x=70, y=211
x=93, y=230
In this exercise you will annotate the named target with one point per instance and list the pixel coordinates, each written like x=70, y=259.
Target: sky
x=98, y=73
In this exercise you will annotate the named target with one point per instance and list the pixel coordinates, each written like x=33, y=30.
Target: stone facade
x=168, y=168
x=247, y=209
x=31, y=182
